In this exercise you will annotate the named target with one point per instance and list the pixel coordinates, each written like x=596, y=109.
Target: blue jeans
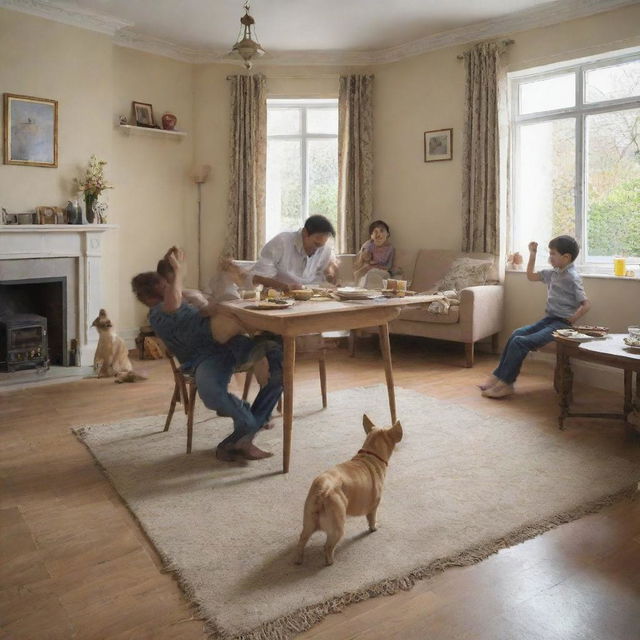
x=213, y=375
x=522, y=341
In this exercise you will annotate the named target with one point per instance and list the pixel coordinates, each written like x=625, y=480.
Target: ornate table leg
x=287, y=413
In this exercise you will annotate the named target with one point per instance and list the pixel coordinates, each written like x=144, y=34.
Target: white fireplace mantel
x=81, y=242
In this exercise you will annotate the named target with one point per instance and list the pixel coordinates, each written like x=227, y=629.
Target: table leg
x=287, y=414
x=628, y=393
x=385, y=347
x=565, y=375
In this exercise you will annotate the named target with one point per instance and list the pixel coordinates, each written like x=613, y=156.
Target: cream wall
x=154, y=200
x=422, y=201
x=50, y=60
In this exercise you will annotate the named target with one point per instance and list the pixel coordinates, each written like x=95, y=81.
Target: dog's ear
x=396, y=431
x=366, y=423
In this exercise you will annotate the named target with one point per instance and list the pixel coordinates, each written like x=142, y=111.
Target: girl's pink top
x=381, y=257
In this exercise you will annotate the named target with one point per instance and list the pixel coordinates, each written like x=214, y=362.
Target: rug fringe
x=286, y=627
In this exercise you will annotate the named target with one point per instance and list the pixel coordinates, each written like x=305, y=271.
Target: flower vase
x=89, y=201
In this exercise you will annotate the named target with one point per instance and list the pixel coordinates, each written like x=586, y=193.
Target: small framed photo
x=30, y=131
x=143, y=114
x=437, y=145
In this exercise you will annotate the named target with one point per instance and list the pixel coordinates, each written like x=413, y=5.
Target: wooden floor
x=74, y=564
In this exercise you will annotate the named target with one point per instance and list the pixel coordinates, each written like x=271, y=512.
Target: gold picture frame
x=30, y=131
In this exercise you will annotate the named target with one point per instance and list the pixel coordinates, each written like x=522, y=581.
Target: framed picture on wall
x=437, y=145
x=30, y=131
x=143, y=114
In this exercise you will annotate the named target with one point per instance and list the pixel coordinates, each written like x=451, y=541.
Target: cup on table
x=619, y=265
x=634, y=331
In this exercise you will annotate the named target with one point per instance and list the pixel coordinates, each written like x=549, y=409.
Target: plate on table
x=266, y=305
x=355, y=293
x=633, y=344
x=576, y=336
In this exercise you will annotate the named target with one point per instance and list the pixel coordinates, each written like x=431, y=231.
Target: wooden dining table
x=309, y=317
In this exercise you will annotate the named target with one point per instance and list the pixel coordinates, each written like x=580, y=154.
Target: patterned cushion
x=465, y=272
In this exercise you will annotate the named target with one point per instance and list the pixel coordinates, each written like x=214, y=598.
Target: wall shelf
x=129, y=128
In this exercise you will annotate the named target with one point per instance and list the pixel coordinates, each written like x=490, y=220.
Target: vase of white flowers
x=92, y=184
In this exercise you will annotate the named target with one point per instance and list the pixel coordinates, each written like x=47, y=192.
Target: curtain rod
x=504, y=43
x=325, y=76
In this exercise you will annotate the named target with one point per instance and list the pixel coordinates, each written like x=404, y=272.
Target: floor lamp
x=200, y=175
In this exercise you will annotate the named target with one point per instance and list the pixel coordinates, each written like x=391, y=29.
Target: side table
x=610, y=351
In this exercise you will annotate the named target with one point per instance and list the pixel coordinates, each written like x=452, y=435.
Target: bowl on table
x=301, y=294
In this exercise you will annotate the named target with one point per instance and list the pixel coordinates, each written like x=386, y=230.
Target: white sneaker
x=490, y=382
x=499, y=390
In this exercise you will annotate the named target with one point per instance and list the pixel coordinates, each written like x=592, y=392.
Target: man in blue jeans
x=566, y=302
x=188, y=336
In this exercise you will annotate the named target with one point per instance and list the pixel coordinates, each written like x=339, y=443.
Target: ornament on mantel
x=169, y=122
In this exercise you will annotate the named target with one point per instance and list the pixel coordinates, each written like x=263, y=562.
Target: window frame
x=580, y=111
x=303, y=104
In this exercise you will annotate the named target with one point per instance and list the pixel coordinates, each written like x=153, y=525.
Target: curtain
x=355, y=161
x=246, y=203
x=480, y=179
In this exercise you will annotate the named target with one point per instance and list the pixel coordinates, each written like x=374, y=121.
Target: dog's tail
x=128, y=376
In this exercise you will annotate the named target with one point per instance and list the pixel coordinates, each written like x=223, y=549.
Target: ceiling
x=320, y=31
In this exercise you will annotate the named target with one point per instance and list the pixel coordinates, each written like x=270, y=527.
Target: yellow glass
x=619, y=266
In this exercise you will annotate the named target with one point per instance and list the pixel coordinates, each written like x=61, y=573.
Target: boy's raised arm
x=531, y=265
x=173, y=292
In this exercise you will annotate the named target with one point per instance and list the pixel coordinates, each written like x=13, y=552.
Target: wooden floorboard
x=74, y=563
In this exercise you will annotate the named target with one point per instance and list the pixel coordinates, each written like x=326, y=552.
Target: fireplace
x=25, y=300
x=64, y=264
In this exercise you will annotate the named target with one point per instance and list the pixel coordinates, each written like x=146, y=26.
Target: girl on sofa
x=375, y=260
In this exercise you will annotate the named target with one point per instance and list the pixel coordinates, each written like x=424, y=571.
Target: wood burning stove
x=23, y=342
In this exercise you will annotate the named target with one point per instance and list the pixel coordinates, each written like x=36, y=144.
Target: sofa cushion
x=465, y=272
x=422, y=315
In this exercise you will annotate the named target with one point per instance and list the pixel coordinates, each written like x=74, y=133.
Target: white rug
x=460, y=486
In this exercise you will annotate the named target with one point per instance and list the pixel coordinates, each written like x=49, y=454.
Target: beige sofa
x=479, y=315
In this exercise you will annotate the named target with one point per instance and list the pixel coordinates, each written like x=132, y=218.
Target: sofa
x=479, y=315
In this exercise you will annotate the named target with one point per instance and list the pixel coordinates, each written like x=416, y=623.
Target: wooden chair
x=185, y=387
x=185, y=390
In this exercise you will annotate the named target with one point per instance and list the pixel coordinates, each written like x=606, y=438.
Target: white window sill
x=584, y=274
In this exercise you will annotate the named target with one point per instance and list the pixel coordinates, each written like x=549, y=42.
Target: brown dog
x=112, y=357
x=352, y=488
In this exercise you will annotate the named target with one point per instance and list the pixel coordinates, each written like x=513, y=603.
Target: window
x=302, y=163
x=576, y=157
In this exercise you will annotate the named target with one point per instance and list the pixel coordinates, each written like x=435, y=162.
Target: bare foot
x=490, y=382
x=224, y=454
x=268, y=425
x=251, y=452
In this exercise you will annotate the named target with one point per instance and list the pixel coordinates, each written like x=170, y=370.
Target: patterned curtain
x=355, y=161
x=246, y=203
x=480, y=180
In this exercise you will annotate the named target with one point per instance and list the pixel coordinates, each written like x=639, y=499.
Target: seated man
x=187, y=334
x=294, y=258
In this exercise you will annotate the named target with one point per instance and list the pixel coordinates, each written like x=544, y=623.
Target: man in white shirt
x=294, y=258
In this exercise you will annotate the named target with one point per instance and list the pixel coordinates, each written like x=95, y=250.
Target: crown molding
x=74, y=16
x=132, y=39
x=125, y=35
